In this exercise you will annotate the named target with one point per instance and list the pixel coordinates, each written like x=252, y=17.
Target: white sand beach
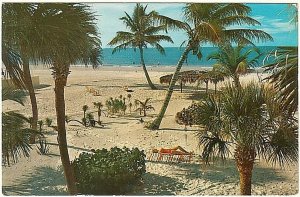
x=42, y=174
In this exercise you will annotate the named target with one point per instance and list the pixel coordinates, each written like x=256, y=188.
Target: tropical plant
x=15, y=131
x=235, y=61
x=210, y=22
x=99, y=107
x=60, y=34
x=90, y=119
x=18, y=30
x=43, y=146
x=143, y=32
x=48, y=122
x=285, y=76
x=118, y=170
x=184, y=117
x=116, y=105
x=84, y=119
x=144, y=106
x=40, y=123
x=250, y=120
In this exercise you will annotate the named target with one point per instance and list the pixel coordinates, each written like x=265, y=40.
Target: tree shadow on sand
x=44, y=181
x=155, y=184
x=226, y=172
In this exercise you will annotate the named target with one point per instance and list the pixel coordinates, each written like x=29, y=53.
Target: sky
x=274, y=19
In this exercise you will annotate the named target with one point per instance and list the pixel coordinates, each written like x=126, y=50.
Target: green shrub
x=113, y=172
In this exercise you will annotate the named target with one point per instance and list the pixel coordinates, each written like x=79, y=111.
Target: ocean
x=152, y=57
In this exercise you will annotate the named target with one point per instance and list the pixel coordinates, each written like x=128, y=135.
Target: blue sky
x=274, y=19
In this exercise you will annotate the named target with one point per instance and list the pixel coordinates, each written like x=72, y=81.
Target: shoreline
x=135, y=67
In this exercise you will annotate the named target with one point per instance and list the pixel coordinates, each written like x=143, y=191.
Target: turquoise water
x=129, y=57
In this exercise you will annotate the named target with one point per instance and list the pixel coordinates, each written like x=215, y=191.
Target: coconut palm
x=143, y=32
x=210, y=23
x=248, y=119
x=144, y=106
x=235, y=61
x=15, y=133
x=60, y=35
x=285, y=76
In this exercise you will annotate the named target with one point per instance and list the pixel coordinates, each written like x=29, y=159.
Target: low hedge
x=109, y=172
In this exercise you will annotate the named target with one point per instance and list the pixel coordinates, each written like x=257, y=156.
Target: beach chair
x=177, y=154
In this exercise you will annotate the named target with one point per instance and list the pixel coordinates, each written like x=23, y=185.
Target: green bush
x=113, y=172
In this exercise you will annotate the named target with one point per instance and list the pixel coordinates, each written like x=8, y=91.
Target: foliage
x=40, y=123
x=211, y=23
x=285, y=76
x=143, y=106
x=235, y=61
x=184, y=117
x=15, y=133
x=116, y=105
x=48, y=122
x=43, y=146
x=248, y=118
x=99, y=107
x=111, y=172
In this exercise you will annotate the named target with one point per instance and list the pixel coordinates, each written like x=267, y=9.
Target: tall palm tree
x=66, y=35
x=249, y=120
x=210, y=23
x=143, y=32
x=235, y=61
x=285, y=76
x=18, y=31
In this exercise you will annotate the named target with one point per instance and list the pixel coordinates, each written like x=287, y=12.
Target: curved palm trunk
x=29, y=87
x=156, y=123
x=60, y=82
x=145, y=70
x=245, y=160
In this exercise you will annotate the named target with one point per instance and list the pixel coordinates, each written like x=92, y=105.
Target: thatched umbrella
x=190, y=76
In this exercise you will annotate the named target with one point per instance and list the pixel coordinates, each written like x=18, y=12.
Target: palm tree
x=143, y=32
x=15, y=133
x=248, y=119
x=66, y=34
x=234, y=61
x=18, y=29
x=144, y=106
x=84, y=109
x=210, y=23
x=99, y=106
x=285, y=76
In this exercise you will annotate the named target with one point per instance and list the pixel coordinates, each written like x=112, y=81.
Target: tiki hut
x=184, y=77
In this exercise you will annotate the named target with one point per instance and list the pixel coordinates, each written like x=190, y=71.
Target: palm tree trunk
x=60, y=82
x=29, y=87
x=236, y=81
x=245, y=161
x=156, y=123
x=215, y=88
x=206, y=87
x=145, y=70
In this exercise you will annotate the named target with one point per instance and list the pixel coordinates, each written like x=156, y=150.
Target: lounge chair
x=177, y=154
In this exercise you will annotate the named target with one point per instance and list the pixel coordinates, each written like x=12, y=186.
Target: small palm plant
x=99, y=107
x=249, y=119
x=144, y=106
x=48, y=122
x=40, y=123
x=84, y=108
